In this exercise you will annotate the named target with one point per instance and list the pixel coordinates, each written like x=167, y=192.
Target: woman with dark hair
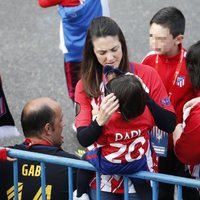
x=127, y=127
x=186, y=135
x=105, y=45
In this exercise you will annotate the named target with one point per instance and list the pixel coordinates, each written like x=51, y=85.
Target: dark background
x=31, y=64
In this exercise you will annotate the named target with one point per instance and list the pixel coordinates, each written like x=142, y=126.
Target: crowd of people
x=117, y=103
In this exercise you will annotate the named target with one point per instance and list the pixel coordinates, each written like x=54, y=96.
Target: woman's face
x=108, y=50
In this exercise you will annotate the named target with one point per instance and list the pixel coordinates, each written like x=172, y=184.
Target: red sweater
x=187, y=147
x=64, y=3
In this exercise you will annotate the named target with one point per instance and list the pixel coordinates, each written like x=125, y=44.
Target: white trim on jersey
x=149, y=54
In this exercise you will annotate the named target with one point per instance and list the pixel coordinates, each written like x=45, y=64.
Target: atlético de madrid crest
x=180, y=81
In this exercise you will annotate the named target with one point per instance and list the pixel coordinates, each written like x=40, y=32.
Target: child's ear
x=179, y=39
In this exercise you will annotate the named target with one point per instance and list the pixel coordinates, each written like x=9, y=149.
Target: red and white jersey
x=182, y=90
x=87, y=105
x=126, y=141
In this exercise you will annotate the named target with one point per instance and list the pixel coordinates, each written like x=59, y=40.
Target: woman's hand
x=108, y=106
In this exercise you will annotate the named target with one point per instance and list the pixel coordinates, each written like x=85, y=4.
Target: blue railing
x=71, y=163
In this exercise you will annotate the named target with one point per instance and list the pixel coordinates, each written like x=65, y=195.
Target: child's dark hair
x=193, y=64
x=171, y=18
x=131, y=95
